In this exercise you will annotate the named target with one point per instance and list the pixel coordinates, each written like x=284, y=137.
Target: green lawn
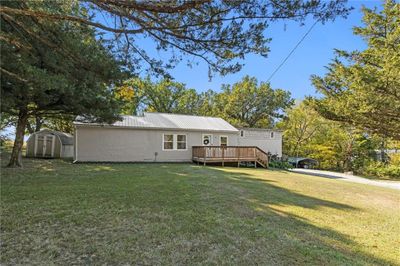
x=54, y=212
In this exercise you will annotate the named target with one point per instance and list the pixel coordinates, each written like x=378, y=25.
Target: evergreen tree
x=362, y=88
x=50, y=69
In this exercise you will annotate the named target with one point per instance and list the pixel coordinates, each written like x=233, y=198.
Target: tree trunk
x=16, y=155
x=39, y=123
x=383, y=153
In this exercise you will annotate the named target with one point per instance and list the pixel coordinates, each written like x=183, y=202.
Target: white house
x=159, y=137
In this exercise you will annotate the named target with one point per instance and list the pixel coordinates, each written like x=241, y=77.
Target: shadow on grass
x=296, y=238
x=181, y=213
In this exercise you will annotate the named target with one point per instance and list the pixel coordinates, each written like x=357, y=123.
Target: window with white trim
x=173, y=142
x=181, y=142
x=223, y=140
x=168, y=142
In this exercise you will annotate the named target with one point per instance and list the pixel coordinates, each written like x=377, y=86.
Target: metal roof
x=170, y=121
x=259, y=129
x=300, y=159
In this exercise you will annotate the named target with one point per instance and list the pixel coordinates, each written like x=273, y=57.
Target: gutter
x=152, y=128
x=76, y=144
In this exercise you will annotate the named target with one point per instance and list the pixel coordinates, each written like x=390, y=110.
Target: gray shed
x=50, y=144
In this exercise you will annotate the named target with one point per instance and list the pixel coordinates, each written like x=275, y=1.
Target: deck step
x=262, y=163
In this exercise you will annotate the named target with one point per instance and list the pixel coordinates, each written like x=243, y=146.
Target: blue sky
x=311, y=57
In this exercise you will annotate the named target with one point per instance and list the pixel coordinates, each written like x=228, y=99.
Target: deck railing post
x=223, y=155
x=255, y=158
x=238, y=155
x=205, y=155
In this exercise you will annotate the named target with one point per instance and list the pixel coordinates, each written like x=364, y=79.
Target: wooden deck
x=229, y=154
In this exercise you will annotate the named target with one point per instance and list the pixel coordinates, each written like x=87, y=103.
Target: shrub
x=381, y=170
x=280, y=165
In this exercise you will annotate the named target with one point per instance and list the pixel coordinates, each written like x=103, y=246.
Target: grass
x=54, y=212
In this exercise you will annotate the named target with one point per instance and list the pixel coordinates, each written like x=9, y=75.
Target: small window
x=207, y=140
x=181, y=142
x=168, y=142
x=272, y=135
x=223, y=140
x=241, y=133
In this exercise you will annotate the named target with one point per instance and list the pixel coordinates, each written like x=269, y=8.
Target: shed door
x=45, y=146
x=48, y=147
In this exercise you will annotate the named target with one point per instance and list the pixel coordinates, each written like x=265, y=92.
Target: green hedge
x=280, y=165
x=381, y=170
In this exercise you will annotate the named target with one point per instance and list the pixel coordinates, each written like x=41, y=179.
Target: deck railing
x=229, y=154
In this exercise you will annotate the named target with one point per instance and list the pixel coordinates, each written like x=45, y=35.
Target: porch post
x=238, y=156
x=205, y=155
x=223, y=156
x=255, y=162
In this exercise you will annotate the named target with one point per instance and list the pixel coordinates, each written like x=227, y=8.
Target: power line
x=292, y=51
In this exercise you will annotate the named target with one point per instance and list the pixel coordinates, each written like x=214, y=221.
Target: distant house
x=386, y=154
x=48, y=143
x=159, y=137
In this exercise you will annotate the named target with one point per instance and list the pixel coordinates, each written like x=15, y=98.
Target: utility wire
x=292, y=51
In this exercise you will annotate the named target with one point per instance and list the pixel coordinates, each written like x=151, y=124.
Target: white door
x=207, y=139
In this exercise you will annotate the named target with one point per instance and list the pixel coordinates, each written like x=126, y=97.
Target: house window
x=271, y=135
x=181, y=142
x=207, y=140
x=168, y=142
x=174, y=142
x=241, y=133
x=223, y=140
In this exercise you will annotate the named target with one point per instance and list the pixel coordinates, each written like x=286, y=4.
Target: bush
x=280, y=165
x=395, y=159
x=381, y=170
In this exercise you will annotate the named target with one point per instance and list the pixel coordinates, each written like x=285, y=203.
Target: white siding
x=96, y=144
x=262, y=139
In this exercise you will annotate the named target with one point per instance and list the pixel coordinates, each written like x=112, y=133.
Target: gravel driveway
x=350, y=178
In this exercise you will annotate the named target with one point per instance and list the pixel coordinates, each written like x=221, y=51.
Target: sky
x=311, y=57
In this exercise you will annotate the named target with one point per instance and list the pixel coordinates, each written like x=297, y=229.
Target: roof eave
x=153, y=128
x=260, y=129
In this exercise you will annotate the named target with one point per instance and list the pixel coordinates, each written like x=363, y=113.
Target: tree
x=220, y=33
x=208, y=103
x=164, y=96
x=340, y=147
x=61, y=122
x=248, y=103
x=50, y=69
x=300, y=126
x=362, y=88
x=334, y=145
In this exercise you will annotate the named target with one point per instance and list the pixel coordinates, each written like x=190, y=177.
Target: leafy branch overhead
x=219, y=33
